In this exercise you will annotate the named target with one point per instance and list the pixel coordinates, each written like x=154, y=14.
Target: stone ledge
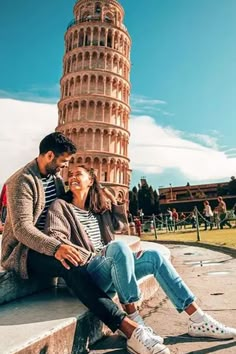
x=37, y=320
x=12, y=287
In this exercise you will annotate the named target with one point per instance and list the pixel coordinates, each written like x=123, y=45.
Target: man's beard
x=52, y=168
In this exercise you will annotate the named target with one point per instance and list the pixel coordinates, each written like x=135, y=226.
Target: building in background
x=95, y=89
x=184, y=198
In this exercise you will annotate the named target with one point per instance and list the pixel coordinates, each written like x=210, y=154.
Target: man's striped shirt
x=50, y=195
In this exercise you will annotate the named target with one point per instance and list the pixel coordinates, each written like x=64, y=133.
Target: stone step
x=12, y=287
x=54, y=321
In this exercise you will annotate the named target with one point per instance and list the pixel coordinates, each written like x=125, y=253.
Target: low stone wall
x=12, y=287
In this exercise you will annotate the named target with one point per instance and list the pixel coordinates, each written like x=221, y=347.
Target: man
x=222, y=211
x=29, y=252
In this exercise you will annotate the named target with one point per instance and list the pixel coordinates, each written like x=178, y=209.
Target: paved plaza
x=212, y=277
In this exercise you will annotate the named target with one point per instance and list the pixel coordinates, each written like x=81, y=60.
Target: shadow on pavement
x=214, y=349
x=187, y=339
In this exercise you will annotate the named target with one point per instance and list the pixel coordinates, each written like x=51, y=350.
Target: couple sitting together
x=71, y=235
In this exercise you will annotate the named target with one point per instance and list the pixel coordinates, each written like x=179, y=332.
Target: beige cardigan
x=25, y=203
x=63, y=225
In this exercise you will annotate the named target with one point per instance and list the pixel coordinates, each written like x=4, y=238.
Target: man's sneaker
x=138, y=319
x=142, y=341
x=209, y=327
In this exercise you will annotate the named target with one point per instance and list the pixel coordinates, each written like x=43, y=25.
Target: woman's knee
x=118, y=249
x=154, y=257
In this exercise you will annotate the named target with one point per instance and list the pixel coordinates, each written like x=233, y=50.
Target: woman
x=85, y=220
x=208, y=215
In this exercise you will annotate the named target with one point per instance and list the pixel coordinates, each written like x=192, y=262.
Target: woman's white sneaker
x=143, y=341
x=209, y=327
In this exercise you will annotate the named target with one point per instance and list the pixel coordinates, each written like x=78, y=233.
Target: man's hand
x=68, y=253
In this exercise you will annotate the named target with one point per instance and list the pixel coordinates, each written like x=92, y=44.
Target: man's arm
x=20, y=194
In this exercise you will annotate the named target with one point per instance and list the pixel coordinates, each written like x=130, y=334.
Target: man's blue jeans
x=119, y=269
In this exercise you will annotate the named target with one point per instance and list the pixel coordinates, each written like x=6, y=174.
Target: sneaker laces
x=145, y=338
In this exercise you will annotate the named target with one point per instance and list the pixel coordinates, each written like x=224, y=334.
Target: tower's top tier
x=109, y=11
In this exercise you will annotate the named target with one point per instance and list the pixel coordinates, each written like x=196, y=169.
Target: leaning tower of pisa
x=95, y=88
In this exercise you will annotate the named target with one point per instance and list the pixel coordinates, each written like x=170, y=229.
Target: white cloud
x=207, y=140
x=142, y=104
x=142, y=100
x=153, y=148
x=23, y=125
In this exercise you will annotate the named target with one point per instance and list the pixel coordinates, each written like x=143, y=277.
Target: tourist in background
x=169, y=219
x=208, y=215
x=222, y=211
x=193, y=219
x=138, y=226
x=216, y=218
x=182, y=218
x=141, y=215
x=175, y=218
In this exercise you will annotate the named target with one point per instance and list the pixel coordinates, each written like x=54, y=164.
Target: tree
x=133, y=201
x=232, y=186
x=157, y=209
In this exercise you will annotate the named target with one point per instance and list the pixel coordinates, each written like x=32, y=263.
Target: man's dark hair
x=57, y=143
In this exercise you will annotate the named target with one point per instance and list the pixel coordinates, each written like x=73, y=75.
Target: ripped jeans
x=119, y=269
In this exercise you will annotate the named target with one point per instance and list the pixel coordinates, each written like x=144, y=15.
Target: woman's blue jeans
x=119, y=269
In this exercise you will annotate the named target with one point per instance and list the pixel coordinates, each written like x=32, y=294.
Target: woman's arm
x=119, y=218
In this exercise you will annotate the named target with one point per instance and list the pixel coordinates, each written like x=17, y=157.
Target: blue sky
x=183, y=82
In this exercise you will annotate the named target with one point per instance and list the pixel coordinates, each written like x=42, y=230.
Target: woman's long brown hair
x=95, y=200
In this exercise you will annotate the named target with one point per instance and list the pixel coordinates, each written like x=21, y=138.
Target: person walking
x=169, y=219
x=208, y=215
x=222, y=210
x=30, y=253
x=175, y=218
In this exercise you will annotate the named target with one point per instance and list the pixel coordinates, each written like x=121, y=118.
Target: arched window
x=95, y=36
x=109, y=39
x=97, y=8
x=81, y=38
x=102, y=37
x=108, y=17
x=88, y=37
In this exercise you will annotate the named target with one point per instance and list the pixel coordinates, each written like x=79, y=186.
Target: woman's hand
x=68, y=253
x=109, y=196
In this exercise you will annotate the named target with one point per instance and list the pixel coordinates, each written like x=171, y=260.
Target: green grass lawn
x=225, y=237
